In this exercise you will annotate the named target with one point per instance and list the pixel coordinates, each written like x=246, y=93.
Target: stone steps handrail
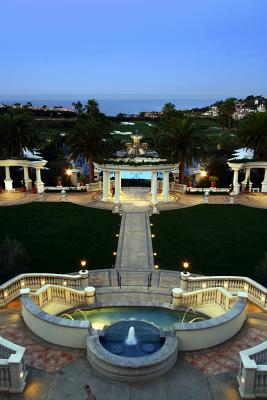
x=12, y=367
x=59, y=294
x=256, y=292
x=218, y=295
x=252, y=376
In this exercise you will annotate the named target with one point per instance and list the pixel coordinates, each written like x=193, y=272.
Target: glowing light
x=155, y=254
x=262, y=298
x=114, y=253
x=156, y=266
x=5, y=294
x=21, y=375
x=22, y=284
x=42, y=282
x=246, y=288
x=153, y=235
x=65, y=283
x=204, y=285
x=203, y=174
x=225, y=285
x=151, y=224
x=242, y=379
x=117, y=235
x=186, y=265
x=68, y=172
x=83, y=263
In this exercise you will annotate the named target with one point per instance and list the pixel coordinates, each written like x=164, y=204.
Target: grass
x=140, y=126
x=215, y=239
x=57, y=235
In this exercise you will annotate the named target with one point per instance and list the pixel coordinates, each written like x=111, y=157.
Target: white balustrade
x=58, y=294
x=218, y=295
x=12, y=367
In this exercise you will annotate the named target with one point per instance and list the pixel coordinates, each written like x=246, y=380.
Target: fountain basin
x=152, y=357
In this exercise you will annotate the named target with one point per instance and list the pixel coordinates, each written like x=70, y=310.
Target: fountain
x=196, y=319
x=186, y=311
x=131, y=338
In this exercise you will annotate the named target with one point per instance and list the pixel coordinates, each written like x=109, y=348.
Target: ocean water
x=114, y=106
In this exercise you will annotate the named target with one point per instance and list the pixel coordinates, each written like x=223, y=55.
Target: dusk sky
x=133, y=47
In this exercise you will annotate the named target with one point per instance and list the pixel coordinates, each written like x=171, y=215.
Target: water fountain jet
x=131, y=338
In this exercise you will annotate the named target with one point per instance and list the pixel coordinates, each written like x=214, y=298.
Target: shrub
x=13, y=258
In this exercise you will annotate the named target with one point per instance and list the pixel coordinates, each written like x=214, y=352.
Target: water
x=131, y=338
x=114, y=106
x=160, y=317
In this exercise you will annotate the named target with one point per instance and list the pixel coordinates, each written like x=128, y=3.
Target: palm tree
x=78, y=106
x=87, y=141
x=17, y=133
x=226, y=110
x=92, y=109
x=252, y=133
x=185, y=143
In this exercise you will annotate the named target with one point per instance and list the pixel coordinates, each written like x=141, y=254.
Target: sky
x=133, y=48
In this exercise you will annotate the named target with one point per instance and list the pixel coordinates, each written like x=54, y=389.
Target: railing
x=12, y=367
x=218, y=296
x=256, y=292
x=58, y=294
x=252, y=376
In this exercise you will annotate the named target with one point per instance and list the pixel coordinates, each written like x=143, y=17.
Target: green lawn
x=140, y=126
x=215, y=239
x=57, y=235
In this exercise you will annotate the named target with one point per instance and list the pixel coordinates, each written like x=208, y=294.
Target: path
x=135, y=245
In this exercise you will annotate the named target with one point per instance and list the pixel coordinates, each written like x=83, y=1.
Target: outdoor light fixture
x=204, y=285
x=5, y=294
x=203, y=174
x=185, y=266
x=156, y=266
x=42, y=282
x=22, y=283
x=65, y=283
x=114, y=253
x=83, y=263
x=68, y=172
x=155, y=254
x=117, y=235
x=153, y=235
x=151, y=224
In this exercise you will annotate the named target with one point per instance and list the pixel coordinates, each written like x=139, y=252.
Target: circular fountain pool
x=132, y=339
x=160, y=317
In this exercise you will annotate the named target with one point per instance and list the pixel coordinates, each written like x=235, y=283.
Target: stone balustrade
x=252, y=375
x=57, y=294
x=12, y=367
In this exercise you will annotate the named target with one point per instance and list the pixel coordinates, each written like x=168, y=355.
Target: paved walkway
x=135, y=246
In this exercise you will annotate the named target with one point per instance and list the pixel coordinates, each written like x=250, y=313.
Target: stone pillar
x=264, y=182
x=154, y=188
x=17, y=373
x=84, y=278
x=206, y=197
x=247, y=380
x=236, y=185
x=117, y=187
x=177, y=294
x=27, y=180
x=105, y=186
x=247, y=177
x=165, y=190
x=184, y=280
x=8, y=181
x=39, y=184
x=89, y=295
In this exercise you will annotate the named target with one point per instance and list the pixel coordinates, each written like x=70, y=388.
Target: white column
x=165, y=189
x=117, y=187
x=39, y=184
x=105, y=186
x=8, y=181
x=247, y=177
x=264, y=182
x=27, y=180
x=236, y=185
x=154, y=188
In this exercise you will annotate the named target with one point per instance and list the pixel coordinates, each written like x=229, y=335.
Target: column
x=264, y=182
x=105, y=186
x=154, y=188
x=117, y=187
x=39, y=184
x=247, y=177
x=165, y=189
x=8, y=181
x=27, y=180
x=236, y=185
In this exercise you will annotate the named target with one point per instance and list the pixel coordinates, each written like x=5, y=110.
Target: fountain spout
x=131, y=338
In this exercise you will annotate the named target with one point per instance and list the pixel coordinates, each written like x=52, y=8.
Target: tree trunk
x=181, y=172
x=91, y=171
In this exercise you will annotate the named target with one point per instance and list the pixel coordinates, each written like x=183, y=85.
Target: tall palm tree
x=78, y=106
x=87, y=141
x=92, y=109
x=17, y=133
x=226, y=111
x=252, y=133
x=185, y=143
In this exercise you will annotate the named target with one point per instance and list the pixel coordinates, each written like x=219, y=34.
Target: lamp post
x=185, y=267
x=68, y=173
x=185, y=276
x=83, y=264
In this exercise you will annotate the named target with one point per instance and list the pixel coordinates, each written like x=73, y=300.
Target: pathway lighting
x=83, y=263
x=21, y=374
x=156, y=266
x=64, y=283
x=262, y=298
x=155, y=254
x=203, y=174
x=22, y=284
x=42, y=282
x=114, y=253
x=151, y=224
x=153, y=235
x=246, y=288
x=5, y=294
x=117, y=235
x=204, y=285
x=68, y=173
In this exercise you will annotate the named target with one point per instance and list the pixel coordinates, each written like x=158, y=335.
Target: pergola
x=118, y=169
x=25, y=164
x=237, y=166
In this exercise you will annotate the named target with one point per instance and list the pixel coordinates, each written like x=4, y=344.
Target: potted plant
x=189, y=181
x=246, y=188
x=82, y=180
x=213, y=179
x=59, y=180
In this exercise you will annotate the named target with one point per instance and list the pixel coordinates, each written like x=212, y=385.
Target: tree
x=17, y=133
x=92, y=110
x=87, y=141
x=78, y=107
x=252, y=133
x=13, y=258
x=226, y=110
x=260, y=271
x=184, y=143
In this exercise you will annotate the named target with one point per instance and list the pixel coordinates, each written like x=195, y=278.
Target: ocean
x=127, y=106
